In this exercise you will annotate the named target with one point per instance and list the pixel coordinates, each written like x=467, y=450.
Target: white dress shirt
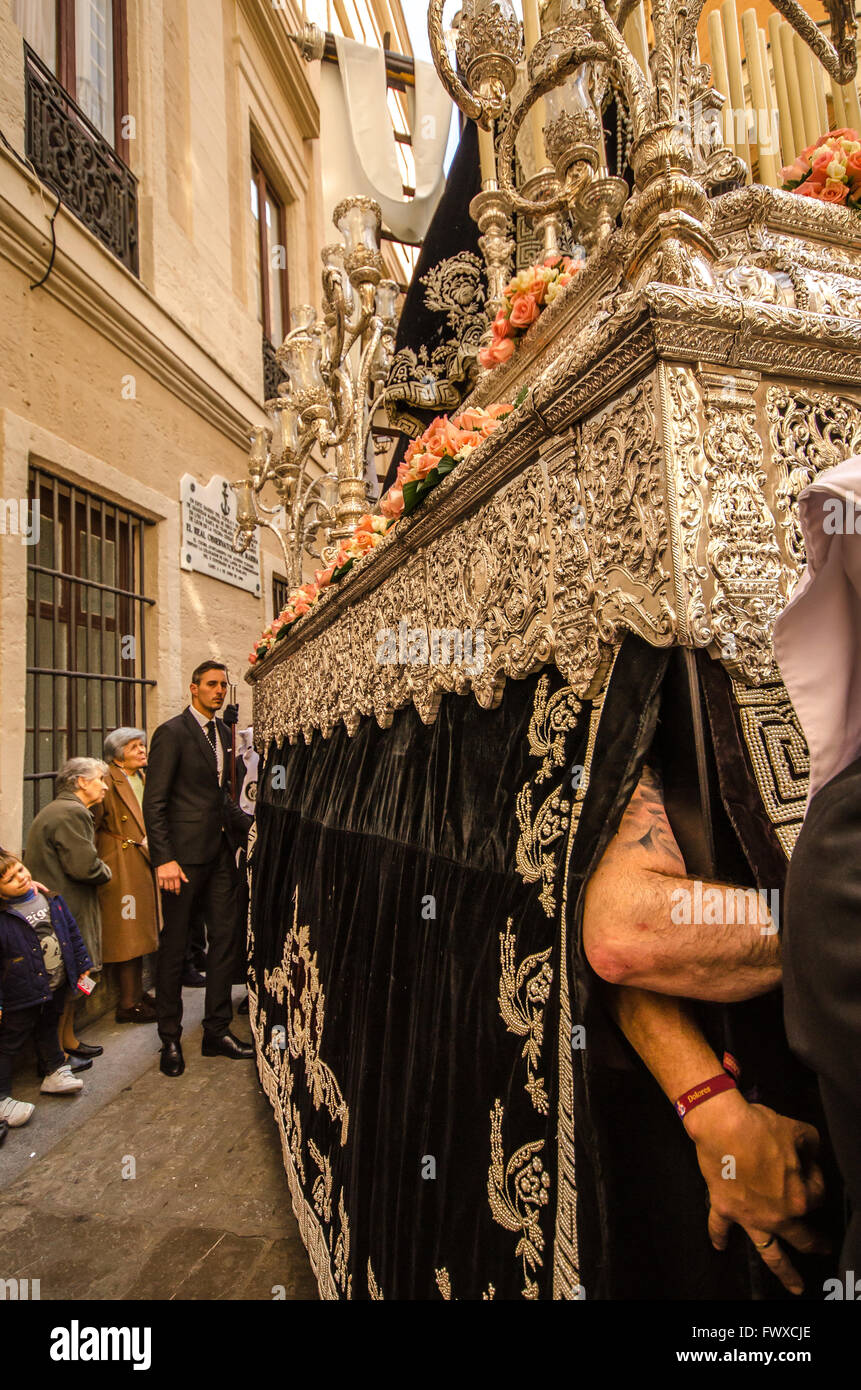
x=219, y=750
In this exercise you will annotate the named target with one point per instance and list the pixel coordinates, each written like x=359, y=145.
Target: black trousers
x=843, y=1114
x=40, y=1021
x=211, y=887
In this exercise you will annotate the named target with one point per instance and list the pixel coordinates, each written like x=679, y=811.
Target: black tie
x=210, y=734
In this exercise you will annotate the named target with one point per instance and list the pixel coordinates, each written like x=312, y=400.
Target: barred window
x=86, y=639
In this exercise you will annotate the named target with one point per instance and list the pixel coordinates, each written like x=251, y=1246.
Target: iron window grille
x=280, y=593
x=86, y=635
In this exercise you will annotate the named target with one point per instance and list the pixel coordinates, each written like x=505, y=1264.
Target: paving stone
x=206, y=1215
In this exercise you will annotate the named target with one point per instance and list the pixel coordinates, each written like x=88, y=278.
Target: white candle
x=804, y=67
x=793, y=85
x=736, y=80
x=759, y=99
x=537, y=117
x=839, y=104
x=853, y=109
x=773, y=112
x=819, y=93
x=789, y=146
x=486, y=155
x=720, y=77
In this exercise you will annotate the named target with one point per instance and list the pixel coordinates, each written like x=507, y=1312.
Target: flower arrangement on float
x=430, y=458
x=526, y=296
x=829, y=170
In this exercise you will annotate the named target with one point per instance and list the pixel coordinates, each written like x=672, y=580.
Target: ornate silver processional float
x=695, y=375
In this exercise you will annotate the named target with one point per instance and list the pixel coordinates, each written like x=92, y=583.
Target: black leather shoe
x=86, y=1050
x=171, y=1062
x=225, y=1046
x=192, y=979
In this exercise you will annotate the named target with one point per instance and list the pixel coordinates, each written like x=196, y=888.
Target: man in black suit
x=194, y=829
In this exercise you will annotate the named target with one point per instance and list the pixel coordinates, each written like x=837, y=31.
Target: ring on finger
x=764, y=1244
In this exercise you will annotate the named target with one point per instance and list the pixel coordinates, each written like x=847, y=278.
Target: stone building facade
x=142, y=143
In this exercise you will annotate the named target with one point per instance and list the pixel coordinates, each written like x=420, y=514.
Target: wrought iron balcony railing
x=72, y=157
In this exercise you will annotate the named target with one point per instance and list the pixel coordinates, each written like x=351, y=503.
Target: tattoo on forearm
x=645, y=821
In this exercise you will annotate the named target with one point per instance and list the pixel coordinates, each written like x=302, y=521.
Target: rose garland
x=368, y=534
x=830, y=170
x=526, y=296
x=444, y=444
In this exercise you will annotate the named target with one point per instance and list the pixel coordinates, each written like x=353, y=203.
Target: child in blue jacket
x=42, y=957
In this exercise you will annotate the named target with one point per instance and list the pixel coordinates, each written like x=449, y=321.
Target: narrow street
x=143, y=1187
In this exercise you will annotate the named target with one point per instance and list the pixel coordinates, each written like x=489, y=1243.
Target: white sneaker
x=61, y=1082
x=15, y=1112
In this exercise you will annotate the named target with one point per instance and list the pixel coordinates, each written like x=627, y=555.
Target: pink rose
x=811, y=188
x=393, y=503
x=499, y=351
x=524, y=311
x=795, y=172
x=853, y=167
x=502, y=325
x=834, y=192
x=842, y=132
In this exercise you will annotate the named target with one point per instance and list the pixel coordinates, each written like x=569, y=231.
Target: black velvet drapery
x=415, y=933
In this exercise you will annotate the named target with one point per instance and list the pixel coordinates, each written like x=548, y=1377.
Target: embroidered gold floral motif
x=443, y=1283
x=373, y=1287
x=343, y=1279
x=321, y=1190
x=535, y=856
x=517, y=1191
x=306, y=1010
x=523, y=993
x=552, y=718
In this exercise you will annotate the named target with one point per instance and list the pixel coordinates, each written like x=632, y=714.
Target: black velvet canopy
x=460, y=1117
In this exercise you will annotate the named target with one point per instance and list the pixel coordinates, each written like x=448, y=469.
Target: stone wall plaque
x=208, y=522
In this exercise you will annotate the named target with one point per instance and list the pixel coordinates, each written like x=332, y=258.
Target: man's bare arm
x=635, y=927
x=759, y=1166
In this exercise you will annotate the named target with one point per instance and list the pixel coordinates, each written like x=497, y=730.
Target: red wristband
x=704, y=1091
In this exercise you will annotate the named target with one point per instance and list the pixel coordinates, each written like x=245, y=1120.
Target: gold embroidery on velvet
x=373, y=1287
x=566, y=1254
x=551, y=719
x=517, y=1190
x=523, y=993
x=321, y=1190
x=443, y=1283
x=306, y=1017
x=313, y=1236
x=535, y=858
x=779, y=755
x=342, y=1251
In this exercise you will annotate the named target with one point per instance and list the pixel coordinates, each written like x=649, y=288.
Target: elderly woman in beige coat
x=129, y=903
